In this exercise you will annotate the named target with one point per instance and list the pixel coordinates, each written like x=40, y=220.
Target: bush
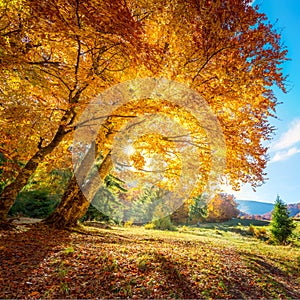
x=184, y=229
x=34, y=204
x=149, y=226
x=260, y=233
x=161, y=224
x=251, y=229
x=164, y=224
x=128, y=223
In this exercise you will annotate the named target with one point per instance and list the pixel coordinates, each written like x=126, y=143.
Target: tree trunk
x=72, y=207
x=74, y=204
x=10, y=192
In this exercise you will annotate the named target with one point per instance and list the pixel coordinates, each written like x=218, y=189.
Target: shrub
x=34, y=204
x=260, y=233
x=164, y=224
x=128, y=223
x=251, y=229
x=263, y=231
x=161, y=224
x=184, y=229
x=149, y=226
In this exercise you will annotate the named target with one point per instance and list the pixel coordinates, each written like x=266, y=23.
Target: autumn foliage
x=58, y=55
x=222, y=208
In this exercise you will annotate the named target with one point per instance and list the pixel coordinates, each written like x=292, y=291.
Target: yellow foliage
x=64, y=55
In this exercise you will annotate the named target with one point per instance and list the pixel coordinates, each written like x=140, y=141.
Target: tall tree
x=87, y=177
x=282, y=224
x=225, y=50
x=61, y=53
x=228, y=52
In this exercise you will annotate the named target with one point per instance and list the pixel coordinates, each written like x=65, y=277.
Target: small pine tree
x=282, y=224
x=198, y=209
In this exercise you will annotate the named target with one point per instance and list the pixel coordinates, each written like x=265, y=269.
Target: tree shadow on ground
x=283, y=280
x=21, y=253
x=181, y=285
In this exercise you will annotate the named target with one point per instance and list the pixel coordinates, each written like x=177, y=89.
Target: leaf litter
x=38, y=262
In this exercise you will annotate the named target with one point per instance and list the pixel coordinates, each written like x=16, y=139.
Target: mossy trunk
x=10, y=192
x=74, y=203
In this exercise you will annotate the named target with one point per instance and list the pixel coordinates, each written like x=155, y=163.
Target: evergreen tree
x=198, y=209
x=106, y=204
x=282, y=224
x=152, y=204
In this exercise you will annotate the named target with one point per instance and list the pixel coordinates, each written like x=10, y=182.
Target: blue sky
x=284, y=167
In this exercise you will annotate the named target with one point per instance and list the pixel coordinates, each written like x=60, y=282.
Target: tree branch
x=208, y=60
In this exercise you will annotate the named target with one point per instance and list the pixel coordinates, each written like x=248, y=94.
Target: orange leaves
x=60, y=54
x=226, y=51
x=221, y=208
x=138, y=160
x=34, y=294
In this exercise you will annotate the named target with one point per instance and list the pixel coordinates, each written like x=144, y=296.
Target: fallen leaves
x=134, y=263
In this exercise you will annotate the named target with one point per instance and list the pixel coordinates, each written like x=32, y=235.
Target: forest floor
x=191, y=263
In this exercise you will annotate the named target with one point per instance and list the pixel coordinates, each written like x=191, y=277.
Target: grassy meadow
x=228, y=260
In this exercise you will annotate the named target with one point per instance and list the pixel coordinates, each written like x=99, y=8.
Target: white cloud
x=283, y=155
x=252, y=3
x=286, y=145
x=289, y=138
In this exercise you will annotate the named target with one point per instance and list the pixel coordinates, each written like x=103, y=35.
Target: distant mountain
x=264, y=209
x=294, y=209
x=254, y=207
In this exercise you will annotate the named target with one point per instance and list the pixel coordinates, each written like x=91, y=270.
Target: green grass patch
x=219, y=262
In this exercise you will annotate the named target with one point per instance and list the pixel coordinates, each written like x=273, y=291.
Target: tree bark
x=72, y=207
x=74, y=203
x=10, y=192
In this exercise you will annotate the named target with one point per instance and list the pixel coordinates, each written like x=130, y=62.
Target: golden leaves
x=223, y=49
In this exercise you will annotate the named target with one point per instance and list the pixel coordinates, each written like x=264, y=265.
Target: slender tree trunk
x=10, y=192
x=74, y=204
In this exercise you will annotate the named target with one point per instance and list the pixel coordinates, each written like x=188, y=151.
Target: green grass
x=225, y=260
x=217, y=262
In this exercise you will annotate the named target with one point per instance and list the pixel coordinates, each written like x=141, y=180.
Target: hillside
x=264, y=209
x=193, y=263
x=254, y=207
